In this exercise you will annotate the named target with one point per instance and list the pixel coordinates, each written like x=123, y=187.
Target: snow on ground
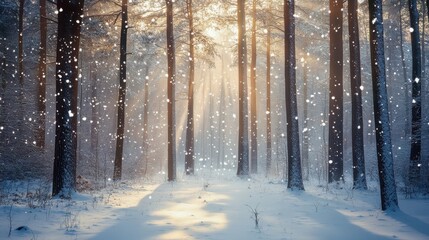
x=216, y=208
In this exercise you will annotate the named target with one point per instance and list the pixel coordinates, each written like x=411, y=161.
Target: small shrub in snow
x=255, y=215
x=70, y=222
x=39, y=198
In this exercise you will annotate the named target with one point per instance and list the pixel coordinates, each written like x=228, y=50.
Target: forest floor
x=214, y=208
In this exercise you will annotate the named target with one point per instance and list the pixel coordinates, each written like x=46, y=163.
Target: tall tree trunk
x=268, y=92
x=189, y=158
x=293, y=143
x=221, y=122
x=424, y=89
x=243, y=135
x=21, y=111
x=67, y=74
x=94, y=120
x=2, y=94
x=21, y=44
x=423, y=55
x=306, y=130
x=170, y=94
x=211, y=116
x=415, y=161
x=404, y=73
x=117, y=171
x=359, y=178
x=389, y=199
x=253, y=109
x=335, y=172
x=41, y=76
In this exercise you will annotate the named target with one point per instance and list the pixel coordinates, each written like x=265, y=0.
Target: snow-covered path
x=222, y=209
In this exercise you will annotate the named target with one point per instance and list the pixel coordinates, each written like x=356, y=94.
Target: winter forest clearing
x=209, y=208
x=207, y=119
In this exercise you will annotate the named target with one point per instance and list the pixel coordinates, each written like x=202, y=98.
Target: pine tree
x=70, y=14
x=243, y=136
x=41, y=76
x=416, y=121
x=189, y=158
x=389, y=199
x=170, y=94
x=268, y=91
x=335, y=166
x=359, y=178
x=293, y=143
x=253, y=114
x=117, y=172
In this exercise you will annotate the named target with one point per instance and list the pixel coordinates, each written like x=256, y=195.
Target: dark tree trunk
x=21, y=44
x=2, y=94
x=423, y=55
x=416, y=120
x=117, y=172
x=404, y=73
x=359, y=178
x=253, y=114
x=189, y=158
x=268, y=92
x=293, y=143
x=389, y=199
x=94, y=120
x=41, y=77
x=243, y=135
x=306, y=130
x=170, y=94
x=69, y=24
x=21, y=111
x=335, y=166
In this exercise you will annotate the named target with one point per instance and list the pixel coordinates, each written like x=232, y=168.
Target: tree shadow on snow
x=190, y=210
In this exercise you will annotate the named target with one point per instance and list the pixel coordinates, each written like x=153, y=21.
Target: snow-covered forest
x=231, y=119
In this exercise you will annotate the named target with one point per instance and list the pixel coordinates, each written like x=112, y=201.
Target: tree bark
x=268, y=92
x=21, y=112
x=294, y=156
x=94, y=121
x=21, y=44
x=335, y=166
x=243, y=135
x=404, y=73
x=189, y=158
x=41, y=77
x=117, y=171
x=170, y=94
x=67, y=74
x=416, y=119
x=306, y=130
x=253, y=109
x=359, y=178
x=389, y=199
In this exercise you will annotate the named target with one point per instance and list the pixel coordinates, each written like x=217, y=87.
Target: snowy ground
x=195, y=208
